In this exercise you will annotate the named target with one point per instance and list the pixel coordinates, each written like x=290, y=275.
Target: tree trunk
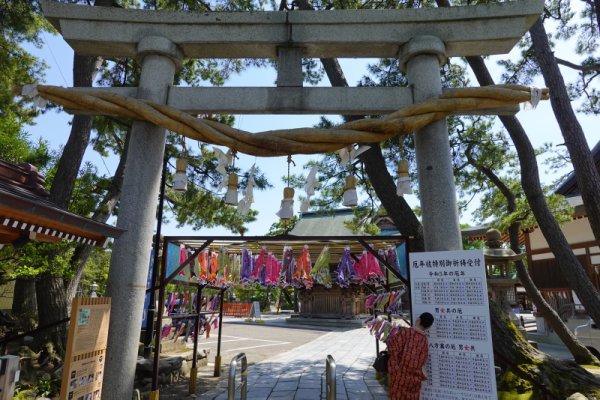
x=596, y=8
x=567, y=262
x=518, y=359
x=50, y=290
x=586, y=172
x=24, y=303
x=102, y=213
x=52, y=307
x=581, y=354
x=84, y=72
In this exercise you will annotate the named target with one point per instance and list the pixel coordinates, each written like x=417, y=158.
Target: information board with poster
x=86, y=349
x=451, y=285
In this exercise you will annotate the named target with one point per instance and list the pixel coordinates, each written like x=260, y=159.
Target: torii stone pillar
x=160, y=58
x=420, y=58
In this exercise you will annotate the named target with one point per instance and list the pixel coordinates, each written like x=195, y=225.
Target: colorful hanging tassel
x=368, y=269
x=236, y=268
x=259, y=264
x=214, y=267
x=392, y=258
x=272, y=270
x=223, y=261
x=320, y=272
x=246, y=272
x=288, y=268
x=345, y=269
x=303, y=265
x=374, y=273
x=203, y=267
x=182, y=258
x=361, y=267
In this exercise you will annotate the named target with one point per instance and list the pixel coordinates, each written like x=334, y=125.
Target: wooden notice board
x=86, y=349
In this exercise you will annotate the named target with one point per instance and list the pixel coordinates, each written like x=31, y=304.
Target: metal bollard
x=243, y=375
x=330, y=378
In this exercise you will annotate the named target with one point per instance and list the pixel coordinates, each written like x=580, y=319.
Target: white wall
x=576, y=231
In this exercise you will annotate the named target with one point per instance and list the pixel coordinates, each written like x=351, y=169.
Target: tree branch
x=578, y=67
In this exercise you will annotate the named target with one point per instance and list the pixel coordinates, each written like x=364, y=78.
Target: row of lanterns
x=286, y=211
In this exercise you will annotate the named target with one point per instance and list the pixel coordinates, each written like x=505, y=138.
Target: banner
x=173, y=257
x=452, y=286
x=86, y=349
x=148, y=286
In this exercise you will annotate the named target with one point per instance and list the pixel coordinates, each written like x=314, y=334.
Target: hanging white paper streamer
x=536, y=96
x=309, y=188
x=225, y=160
x=347, y=155
x=31, y=91
x=246, y=201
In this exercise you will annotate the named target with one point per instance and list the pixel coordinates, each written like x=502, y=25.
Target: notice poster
x=451, y=285
x=86, y=349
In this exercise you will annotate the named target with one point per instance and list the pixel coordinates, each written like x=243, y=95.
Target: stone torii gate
x=421, y=38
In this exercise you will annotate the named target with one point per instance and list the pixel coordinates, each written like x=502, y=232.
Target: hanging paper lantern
x=287, y=204
x=403, y=184
x=180, y=177
x=350, y=198
x=231, y=197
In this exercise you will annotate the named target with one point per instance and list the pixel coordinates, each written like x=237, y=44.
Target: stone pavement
x=300, y=373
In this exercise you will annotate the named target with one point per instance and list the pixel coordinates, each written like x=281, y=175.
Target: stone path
x=300, y=373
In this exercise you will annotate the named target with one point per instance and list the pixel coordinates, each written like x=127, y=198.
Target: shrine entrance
x=220, y=262
x=421, y=38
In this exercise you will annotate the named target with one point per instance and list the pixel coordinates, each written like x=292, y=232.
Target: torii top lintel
x=466, y=31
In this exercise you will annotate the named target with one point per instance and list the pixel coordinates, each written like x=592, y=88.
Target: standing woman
x=408, y=349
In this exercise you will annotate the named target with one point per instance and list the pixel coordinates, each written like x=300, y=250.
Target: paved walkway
x=300, y=373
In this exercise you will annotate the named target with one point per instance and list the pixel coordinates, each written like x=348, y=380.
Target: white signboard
x=255, y=310
x=451, y=285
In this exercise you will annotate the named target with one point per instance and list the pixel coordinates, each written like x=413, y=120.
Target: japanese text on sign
x=452, y=286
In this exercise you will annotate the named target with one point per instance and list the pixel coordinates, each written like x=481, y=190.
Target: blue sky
x=54, y=127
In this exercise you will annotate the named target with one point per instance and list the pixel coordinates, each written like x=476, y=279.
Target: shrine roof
x=27, y=213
